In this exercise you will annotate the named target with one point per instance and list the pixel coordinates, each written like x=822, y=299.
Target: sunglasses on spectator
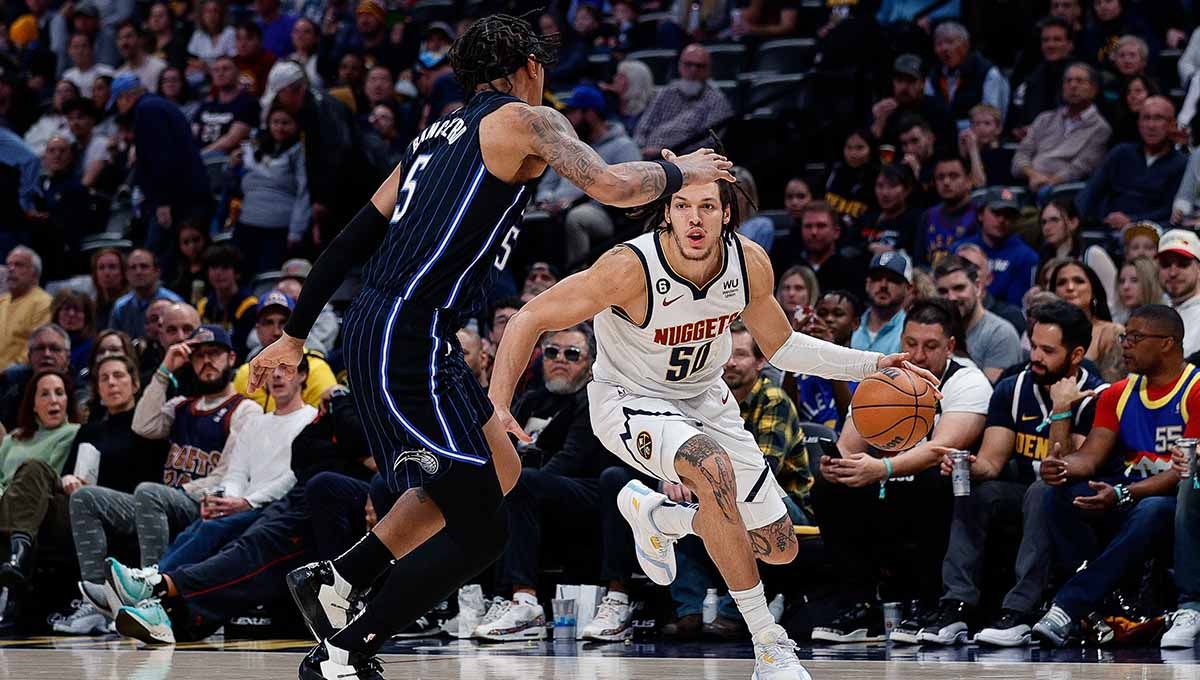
x=569, y=354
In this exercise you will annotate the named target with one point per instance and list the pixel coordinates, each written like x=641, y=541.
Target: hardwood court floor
x=114, y=659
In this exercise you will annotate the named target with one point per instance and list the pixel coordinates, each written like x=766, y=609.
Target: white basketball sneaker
x=613, y=621
x=775, y=657
x=471, y=610
x=655, y=550
x=517, y=621
x=1185, y=626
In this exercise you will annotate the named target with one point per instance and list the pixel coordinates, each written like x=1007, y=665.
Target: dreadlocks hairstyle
x=652, y=215
x=496, y=47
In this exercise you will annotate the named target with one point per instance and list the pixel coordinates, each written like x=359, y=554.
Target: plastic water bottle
x=694, y=18
x=776, y=607
x=709, y=608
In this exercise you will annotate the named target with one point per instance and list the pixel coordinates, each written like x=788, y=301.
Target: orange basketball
x=893, y=409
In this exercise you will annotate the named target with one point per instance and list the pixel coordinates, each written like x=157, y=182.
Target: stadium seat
x=794, y=55
x=653, y=17
x=773, y=95
x=819, y=440
x=732, y=91
x=1066, y=191
x=601, y=67
x=727, y=61
x=660, y=62
x=426, y=11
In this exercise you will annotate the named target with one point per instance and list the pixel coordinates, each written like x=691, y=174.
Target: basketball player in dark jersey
x=431, y=239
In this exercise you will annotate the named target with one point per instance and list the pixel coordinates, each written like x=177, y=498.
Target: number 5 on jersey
x=409, y=188
x=686, y=360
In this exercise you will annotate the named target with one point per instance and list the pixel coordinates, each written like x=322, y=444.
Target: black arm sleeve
x=351, y=247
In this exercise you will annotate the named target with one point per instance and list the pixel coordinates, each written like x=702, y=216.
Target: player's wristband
x=887, y=474
x=674, y=177
x=1064, y=415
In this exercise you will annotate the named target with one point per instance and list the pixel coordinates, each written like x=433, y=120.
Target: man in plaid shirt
x=678, y=116
x=772, y=418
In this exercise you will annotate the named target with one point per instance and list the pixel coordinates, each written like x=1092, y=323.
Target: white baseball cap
x=1180, y=241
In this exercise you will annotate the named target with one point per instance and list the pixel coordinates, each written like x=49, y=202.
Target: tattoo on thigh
x=698, y=449
x=709, y=458
x=760, y=543
x=782, y=534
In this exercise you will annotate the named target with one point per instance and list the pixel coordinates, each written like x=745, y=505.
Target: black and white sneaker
x=916, y=618
x=432, y=623
x=861, y=623
x=319, y=665
x=1010, y=630
x=324, y=610
x=948, y=626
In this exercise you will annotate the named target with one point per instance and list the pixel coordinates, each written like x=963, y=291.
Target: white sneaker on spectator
x=613, y=621
x=495, y=609
x=102, y=597
x=516, y=621
x=471, y=610
x=84, y=619
x=1185, y=626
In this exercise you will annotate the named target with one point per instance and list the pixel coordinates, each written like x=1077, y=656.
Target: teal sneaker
x=131, y=585
x=148, y=622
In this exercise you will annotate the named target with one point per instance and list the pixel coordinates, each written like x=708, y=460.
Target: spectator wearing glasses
x=24, y=307
x=567, y=481
x=49, y=348
x=680, y=113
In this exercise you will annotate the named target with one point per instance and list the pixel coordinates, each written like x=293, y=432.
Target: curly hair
x=496, y=47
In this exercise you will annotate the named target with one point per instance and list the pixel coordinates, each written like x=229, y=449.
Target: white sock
x=340, y=585
x=752, y=603
x=617, y=596
x=673, y=519
x=525, y=598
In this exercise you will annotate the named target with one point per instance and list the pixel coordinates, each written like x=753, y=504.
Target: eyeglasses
x=569, y=354
x=49, y=349
x=1135, y=338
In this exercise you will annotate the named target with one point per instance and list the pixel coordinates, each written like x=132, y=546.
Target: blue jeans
x=1077, y=537
x=1187, y=545
x=695, y=573
x=204, y=537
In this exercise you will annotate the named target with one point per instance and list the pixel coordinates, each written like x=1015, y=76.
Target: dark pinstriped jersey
x=454, y=223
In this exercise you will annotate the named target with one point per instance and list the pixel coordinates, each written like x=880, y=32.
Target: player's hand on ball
x=901, y=361
x=510, y=424
x=859, y=469
x=701, y=167
x=286, y=351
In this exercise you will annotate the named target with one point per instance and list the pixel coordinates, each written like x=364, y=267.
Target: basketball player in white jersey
x=662, y=305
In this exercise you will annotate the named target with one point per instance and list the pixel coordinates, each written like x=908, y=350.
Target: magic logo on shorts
x=422, y=457
x=645, y=445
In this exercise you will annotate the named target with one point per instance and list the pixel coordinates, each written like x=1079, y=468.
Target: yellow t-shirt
x=320, y=378
x=18, y=318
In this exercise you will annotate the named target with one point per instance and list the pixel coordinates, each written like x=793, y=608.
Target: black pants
x=576, y=508
x=901, y=538
x=246, y=572
x=337, y=504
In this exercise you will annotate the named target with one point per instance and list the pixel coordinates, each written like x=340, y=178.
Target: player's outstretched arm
x=612, y=281
x=352, y=246
x=550, y=136
x=791, y=350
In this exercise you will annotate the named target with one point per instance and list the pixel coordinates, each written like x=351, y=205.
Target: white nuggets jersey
x=681, y=348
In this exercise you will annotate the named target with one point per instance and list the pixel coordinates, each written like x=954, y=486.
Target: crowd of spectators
x=1011, y=198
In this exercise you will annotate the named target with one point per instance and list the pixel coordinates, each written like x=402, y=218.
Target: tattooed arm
x=550, y=137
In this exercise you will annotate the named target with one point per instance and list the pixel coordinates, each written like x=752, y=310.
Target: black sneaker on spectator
x=862, y=622
x=324, y=610
x=432, y=623
x=320, y=664
x=916, y=618
x=1010, y=630
x=948, y=625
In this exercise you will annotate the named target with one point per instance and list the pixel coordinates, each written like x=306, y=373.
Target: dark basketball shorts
x=420, y=406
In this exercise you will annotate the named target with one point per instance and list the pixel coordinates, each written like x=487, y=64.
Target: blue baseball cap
x=120, y=85
x=276, y=298
x=588, y=97
x=211, y=334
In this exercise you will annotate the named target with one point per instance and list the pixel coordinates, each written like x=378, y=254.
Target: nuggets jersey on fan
x=681, y=347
